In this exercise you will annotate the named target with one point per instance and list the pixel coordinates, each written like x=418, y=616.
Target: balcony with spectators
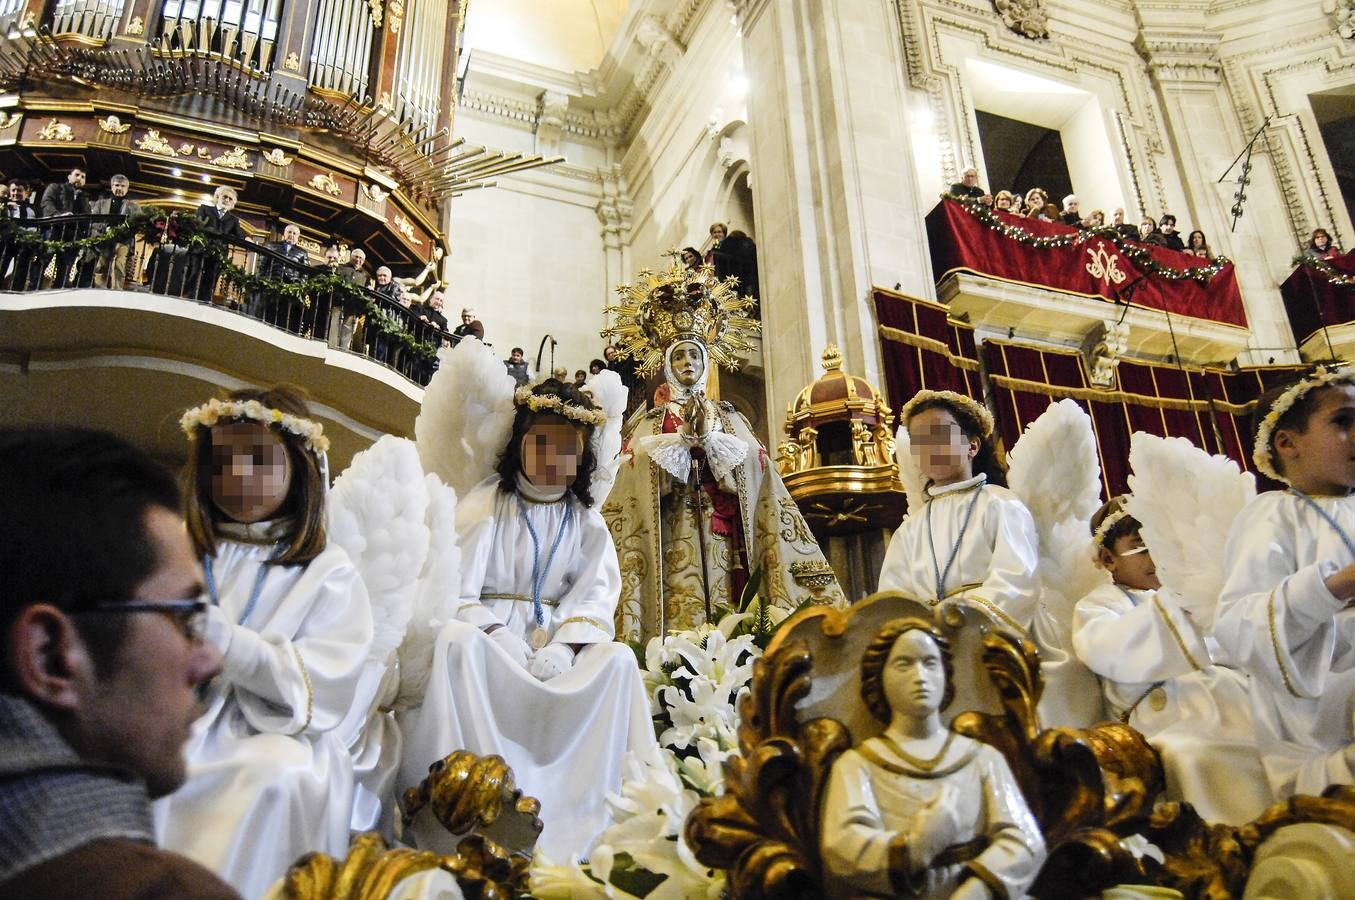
x=1069, y=284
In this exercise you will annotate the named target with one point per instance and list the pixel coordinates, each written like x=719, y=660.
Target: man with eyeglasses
x=102, y=667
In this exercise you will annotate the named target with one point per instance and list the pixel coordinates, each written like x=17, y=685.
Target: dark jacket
x=424, y=311
x=1172, y=241
x=104, y=206
x=214, y=223
x=475, y=329
x=278, y=270
x=62, y=197
x=354, y=274
x=118, y=869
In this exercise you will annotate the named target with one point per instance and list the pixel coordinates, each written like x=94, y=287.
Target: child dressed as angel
x=269, y=777
x=528, y=669
x=1158, y=674
x=972, y=539
x=1285, y=613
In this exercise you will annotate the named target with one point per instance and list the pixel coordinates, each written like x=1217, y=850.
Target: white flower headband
x=1261, y=453
x=523, y=396
x=969, y=404
x=214, y=411
x=1107, y=524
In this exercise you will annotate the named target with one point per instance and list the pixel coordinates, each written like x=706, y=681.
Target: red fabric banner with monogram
x=1078, y=262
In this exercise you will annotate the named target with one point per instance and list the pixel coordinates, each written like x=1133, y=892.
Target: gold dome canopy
x=837, y=396
x=837, y=459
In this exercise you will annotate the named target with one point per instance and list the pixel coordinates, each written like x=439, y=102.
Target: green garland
x=1325, y=269
x=150, y=223
x=1131, y=250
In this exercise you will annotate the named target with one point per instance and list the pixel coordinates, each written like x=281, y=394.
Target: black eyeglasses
x=189, y=615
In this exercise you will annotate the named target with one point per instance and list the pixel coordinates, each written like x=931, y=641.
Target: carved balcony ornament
x=325, y=182
x=292, y=63
x=406, y=227
x=152, y=142
x=113, y=125
x=375, y=7
x=136, y=26
x=234, y=158
x=375, y=192
x=9, y=119
x=1026, y=17
x=277, y=158
x=56, y=131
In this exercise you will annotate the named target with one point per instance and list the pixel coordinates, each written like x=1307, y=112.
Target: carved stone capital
x=1180, y=57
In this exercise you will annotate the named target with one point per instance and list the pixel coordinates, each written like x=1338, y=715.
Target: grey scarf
x=51, y=800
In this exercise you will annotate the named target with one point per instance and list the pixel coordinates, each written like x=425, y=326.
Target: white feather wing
x=1186, y=501
x=1055, y=471
x=610, y=395
x=914, y=482
x=439, y=584
x=467, y=416
x=376, y=512
x=1054, y=467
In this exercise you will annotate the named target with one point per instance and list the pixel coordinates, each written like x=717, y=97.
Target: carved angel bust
x=920, y=810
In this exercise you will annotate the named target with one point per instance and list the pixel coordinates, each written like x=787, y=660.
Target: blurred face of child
x=1130, y=564
x=251, y=471
x=550, y=452
x=942, y=450
x=1320, y=459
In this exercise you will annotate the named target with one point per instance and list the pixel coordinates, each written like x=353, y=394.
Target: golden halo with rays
x=677, y=304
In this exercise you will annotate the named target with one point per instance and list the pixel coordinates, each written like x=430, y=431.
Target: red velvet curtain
x=1312, y=301
x=1090, y=265
x=924, y=348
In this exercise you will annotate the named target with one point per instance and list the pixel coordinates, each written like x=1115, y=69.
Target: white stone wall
x=856, y=114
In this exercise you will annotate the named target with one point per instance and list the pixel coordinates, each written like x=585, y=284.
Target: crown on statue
x=678, y=304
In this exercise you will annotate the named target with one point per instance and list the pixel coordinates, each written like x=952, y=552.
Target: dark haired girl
x=528, y=668
x=970, y=540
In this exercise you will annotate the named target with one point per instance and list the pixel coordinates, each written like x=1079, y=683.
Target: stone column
x=614, y=212
x=1206, y=135
x=836, y=200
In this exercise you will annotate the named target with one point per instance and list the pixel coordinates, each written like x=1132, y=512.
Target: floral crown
x=678, y=304
x=554, y=403
x=1108, y=525
x=1262, y=454
x=214, y=411
x=968, y=404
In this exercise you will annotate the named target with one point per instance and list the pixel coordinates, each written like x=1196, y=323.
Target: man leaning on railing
x=110, y=260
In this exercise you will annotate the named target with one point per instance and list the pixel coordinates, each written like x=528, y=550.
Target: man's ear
x=49, y=659
x=1105, y=558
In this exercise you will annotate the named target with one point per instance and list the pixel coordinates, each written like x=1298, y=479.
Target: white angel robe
x=1159, y=676
x=995, y=561
x=269, y=777
x=873, y=795
x=1277, y=620
x=564, y=738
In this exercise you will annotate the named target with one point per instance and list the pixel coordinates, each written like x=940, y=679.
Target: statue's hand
x=936, y=827
x=694, y=416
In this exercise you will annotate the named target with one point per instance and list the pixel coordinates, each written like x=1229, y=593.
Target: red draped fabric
x=1313, y=301
x=1090, y=265
x=923, y=348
